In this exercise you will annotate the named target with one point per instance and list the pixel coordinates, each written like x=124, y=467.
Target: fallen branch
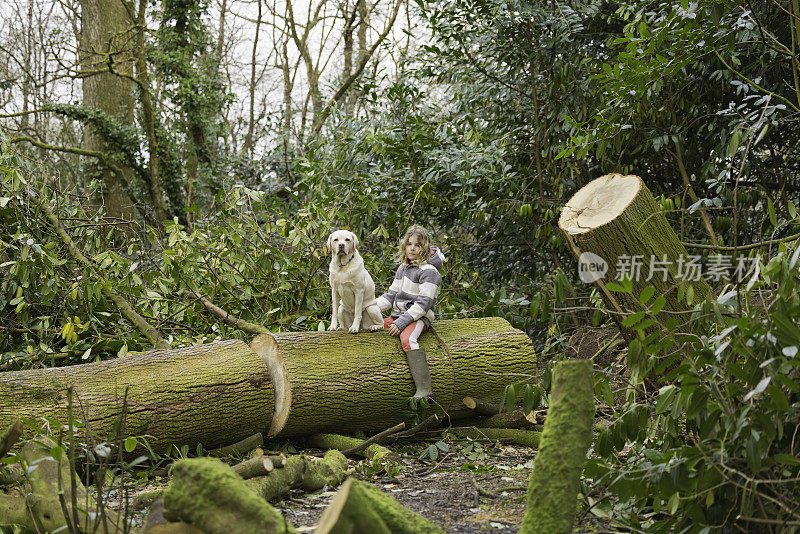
x=433, y=420
x=524, y=438
x=381, y=457
x=377, y=438
x=240, y=448
x=241, y=324
x=301, y=471
x=481, y=406
x=259, y=466
x=515, y=419
x=123, y=305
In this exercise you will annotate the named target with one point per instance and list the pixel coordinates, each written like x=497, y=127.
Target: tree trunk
x=614, y=222
x=340, y=382
x=105, y=25
x=211, y=394
x=287, y=384
x=556, y=476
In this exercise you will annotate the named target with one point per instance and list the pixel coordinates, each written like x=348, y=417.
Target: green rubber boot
x=418, y=364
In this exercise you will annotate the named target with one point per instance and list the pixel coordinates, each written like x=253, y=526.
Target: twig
x=430, y=421
x=374, y=439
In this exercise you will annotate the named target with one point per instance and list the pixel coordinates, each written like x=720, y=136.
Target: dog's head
x=342, y=242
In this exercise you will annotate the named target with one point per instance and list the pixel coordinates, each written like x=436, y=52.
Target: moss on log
x=205, y=493
x=364, y=379
x=286, y=384
x=555, y=480
x=524, y=438
x=211, y=394
x=306, y=472
x=616, y=217
x=361, y=507
x=382, y=458
x=40, y=509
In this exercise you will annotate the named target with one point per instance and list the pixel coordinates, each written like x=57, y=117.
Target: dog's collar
x=348, y=261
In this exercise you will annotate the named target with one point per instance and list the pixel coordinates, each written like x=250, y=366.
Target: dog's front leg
x=334, y=308
x=358, y=311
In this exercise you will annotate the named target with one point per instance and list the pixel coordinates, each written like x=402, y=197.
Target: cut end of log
x=600, y=201
x=331, y=514
x=265, y=346
x=470, y=403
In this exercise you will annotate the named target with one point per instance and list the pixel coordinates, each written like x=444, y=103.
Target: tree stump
x=614, y=222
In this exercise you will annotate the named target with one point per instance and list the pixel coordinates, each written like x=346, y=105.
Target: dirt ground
x=474, y=487
x=443, y=492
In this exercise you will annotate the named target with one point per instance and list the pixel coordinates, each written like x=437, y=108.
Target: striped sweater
x=413, y=291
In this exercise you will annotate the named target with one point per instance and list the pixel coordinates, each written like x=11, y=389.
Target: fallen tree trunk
x=206, y=494
x=339, y=382
x=284, y=384
x=556, y=476
x=211, y=394
x=614, y=223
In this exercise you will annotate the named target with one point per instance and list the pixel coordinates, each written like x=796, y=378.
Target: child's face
x=412, y=248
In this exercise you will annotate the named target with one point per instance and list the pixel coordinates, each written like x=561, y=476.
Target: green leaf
x=674, y=502
x=613, y=286
x=509, y=397
x=792, y=209
x=603, y=444
x=632, y=319
x=733, y=144
x=753, y=455
x=658, y=304
x=646, y=294
x=665, y=396
x=130, y=444
x=771, y=210
x=786, y=459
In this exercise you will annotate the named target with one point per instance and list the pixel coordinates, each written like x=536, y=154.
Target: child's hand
x=393, y=330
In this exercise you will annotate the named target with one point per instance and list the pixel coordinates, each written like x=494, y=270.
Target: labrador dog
x=352, y=288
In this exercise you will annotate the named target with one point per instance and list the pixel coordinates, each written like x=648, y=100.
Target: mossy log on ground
x=515, y=419
x=306, y=472
x=361, y=507
x=616, y=218
x=524, y=438
x=207, y=494
x=283, y=384
x=39, y=508
x=212, y=394
x=340, y=382
x=380, y=456
x=555, y=480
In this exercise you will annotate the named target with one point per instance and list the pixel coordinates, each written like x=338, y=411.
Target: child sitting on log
x=411, y=298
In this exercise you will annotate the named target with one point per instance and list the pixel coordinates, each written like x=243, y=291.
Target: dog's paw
x=376, y=327
x=354, y=329
x=334, y=327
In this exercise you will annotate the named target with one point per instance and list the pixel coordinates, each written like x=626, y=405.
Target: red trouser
x=409, y=335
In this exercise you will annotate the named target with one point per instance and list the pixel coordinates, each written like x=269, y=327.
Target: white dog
x=352, y=288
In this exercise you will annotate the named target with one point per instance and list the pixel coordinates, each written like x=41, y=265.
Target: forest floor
x=474, y=487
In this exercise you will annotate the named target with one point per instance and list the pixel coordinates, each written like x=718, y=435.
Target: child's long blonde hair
x=424, y=240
